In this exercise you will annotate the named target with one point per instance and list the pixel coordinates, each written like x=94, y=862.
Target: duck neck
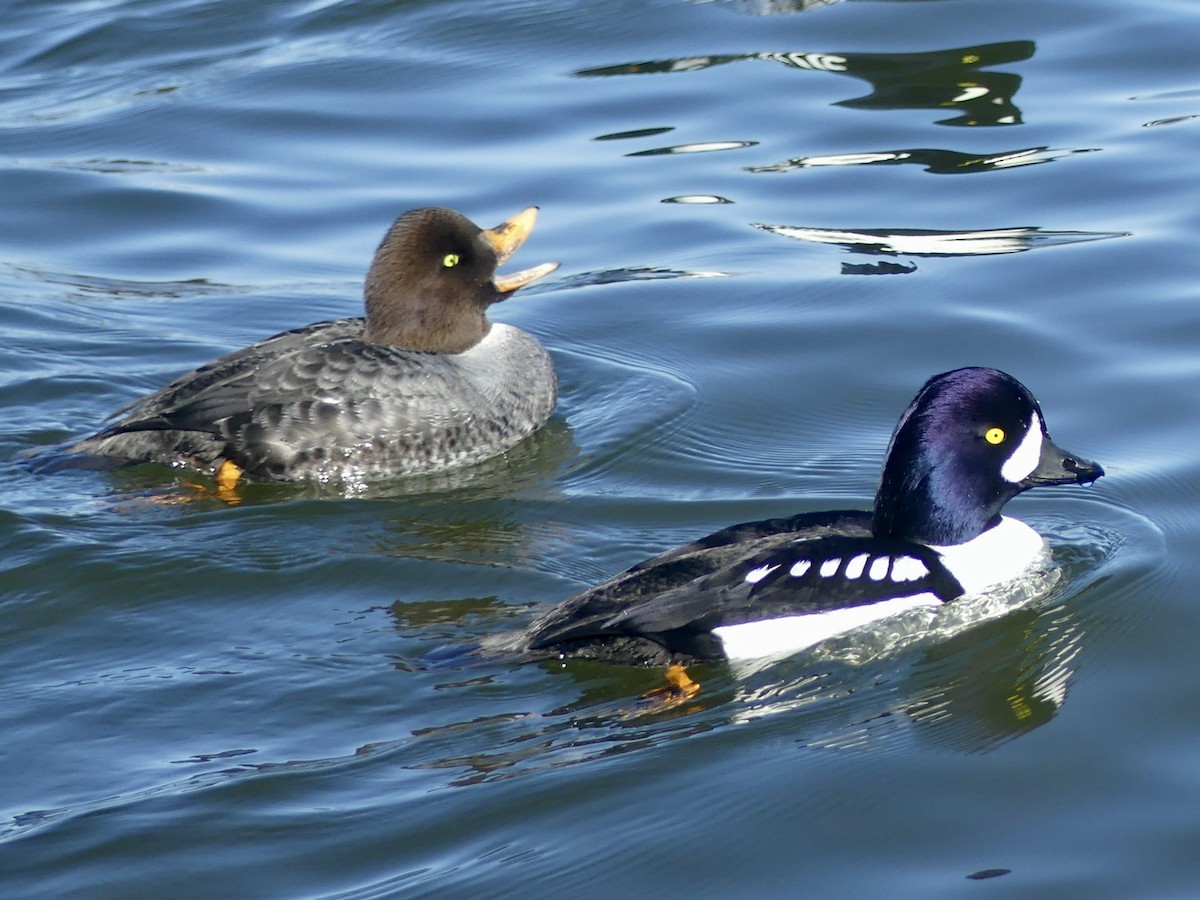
x=429, y=326
x=932, y=510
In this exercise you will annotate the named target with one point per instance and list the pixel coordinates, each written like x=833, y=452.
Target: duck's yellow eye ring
x=994, y=435
x=450, y=260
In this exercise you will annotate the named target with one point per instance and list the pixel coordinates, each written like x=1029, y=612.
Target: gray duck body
x=320, y=403
x=423, y=383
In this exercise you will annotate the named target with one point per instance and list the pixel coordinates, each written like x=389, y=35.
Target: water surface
x=775, y=221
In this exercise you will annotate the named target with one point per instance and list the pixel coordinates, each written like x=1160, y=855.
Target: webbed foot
x=679, y=686
x=227, y=476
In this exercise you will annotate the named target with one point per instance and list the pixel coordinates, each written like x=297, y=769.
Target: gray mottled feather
x=319, y=402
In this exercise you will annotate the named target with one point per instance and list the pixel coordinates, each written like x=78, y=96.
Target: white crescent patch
x=1025, y=458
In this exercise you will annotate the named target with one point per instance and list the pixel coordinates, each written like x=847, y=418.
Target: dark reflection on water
x=608, y=719
x=1026, y=663
x=1174, y=120
x=426, y=613
x=778, y=7
x=878, y=268
x=786, y=7
x=636, y=133
x=632, y=273
x=956, y=79
x=84, y=286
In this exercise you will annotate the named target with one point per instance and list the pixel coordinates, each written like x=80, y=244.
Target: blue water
x=774, y=223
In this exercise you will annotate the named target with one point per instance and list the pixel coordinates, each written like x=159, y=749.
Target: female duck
x=423, y=383
x=971, y=440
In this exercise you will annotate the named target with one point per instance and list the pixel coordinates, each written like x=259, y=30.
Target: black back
x=677, y=598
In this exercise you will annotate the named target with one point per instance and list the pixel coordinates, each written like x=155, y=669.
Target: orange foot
x=227, y=477
x=679, y=686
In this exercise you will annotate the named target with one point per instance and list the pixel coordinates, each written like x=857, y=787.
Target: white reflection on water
x=933, y=242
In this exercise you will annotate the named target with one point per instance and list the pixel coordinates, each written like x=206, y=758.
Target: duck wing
x=231, y=369
x=309, y=395
x=681, y=567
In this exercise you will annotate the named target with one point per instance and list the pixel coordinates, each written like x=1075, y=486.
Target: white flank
x=830, y=566
x=879, y=567
x=789, y=634
x=1025, y=458
x=1000, y=554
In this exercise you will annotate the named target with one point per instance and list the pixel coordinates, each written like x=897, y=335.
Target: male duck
x=971, y=440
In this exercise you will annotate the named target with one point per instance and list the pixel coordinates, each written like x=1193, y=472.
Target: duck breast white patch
x=1002, y=553
x=1021, y=463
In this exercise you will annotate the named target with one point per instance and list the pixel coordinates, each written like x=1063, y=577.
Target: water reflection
x=604, y=723
x=697, y=199
x=1174, y=120
x=635, y=133
x=786, y=7
x=937, y=242
x=778, y=7
x=939, y=162
x=410, y=614
x=487, y=536
x=957, y=79
x=1005, y=681
x=109, y=166
x=639, y=273
x=700, y=147
x=970, y=693
x=878, y=268
x=85, y=286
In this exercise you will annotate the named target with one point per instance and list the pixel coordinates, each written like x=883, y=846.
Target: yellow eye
x=994, y=435
x=450, y=260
